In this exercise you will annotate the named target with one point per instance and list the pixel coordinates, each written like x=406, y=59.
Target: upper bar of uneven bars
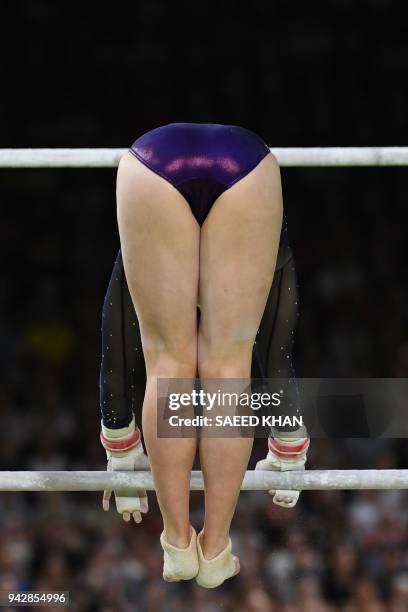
x=312, y=480
x=287, y=157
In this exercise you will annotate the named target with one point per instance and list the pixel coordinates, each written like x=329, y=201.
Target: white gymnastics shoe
x=180, y=563
x=213, y=572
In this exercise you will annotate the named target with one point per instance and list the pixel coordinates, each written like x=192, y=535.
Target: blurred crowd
x=334, y=551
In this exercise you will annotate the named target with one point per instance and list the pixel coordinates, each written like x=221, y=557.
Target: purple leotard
x=201, y=160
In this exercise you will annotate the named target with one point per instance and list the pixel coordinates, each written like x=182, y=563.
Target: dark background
x=88, y=74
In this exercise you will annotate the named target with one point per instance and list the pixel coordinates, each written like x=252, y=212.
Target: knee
x=225, y=360
x=225, y=369
x=171, y=360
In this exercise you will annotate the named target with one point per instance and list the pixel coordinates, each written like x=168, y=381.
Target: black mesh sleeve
x=122, y=373
x=273, y=349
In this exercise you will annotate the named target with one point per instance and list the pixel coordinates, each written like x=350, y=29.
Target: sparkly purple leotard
x=201, y=160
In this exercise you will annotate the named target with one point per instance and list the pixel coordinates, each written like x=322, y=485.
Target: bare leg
x=160, y=247
x=239, y=243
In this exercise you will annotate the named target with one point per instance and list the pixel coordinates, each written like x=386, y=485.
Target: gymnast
x=204, y=286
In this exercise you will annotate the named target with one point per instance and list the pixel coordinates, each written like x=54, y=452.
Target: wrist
x=121, y=441
x=287, y=453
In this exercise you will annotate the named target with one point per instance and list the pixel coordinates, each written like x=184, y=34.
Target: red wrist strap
x=285, y=450
x=121, y=445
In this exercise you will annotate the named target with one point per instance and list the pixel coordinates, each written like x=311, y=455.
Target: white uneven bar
x=311, y=480
x=287, y=157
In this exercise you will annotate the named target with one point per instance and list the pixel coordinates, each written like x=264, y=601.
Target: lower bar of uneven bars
x=311, y=480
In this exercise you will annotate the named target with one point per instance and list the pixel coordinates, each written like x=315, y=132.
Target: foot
x=180, y=563
x=213, y=571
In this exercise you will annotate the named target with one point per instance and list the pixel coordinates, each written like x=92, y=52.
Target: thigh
x=239, y=244
x=160, y=248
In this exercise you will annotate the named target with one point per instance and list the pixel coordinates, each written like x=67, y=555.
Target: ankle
x=178, y=537
x=213, y=545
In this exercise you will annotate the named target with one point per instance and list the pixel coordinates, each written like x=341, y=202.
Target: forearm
x=121, y=352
